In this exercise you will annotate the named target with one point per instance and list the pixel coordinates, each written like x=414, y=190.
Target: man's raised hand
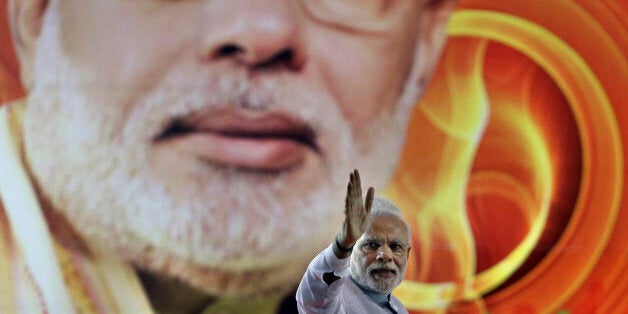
x=357, y=215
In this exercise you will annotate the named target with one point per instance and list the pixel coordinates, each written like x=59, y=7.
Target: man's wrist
x=342, y=248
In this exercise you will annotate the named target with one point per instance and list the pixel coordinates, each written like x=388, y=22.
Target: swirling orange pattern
x=518, y=199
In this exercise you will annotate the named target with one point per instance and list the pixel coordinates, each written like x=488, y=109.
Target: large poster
x=511, y=174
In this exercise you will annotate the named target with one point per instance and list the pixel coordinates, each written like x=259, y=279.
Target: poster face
x=210, y=142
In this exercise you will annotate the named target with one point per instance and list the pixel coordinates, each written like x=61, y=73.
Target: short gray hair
x=383, y=207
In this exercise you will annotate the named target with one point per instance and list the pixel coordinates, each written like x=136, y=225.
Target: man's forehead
x=387, y=228
x=389, y=238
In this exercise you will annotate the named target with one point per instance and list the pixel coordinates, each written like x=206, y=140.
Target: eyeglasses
x=373, y=246
x=368, y=15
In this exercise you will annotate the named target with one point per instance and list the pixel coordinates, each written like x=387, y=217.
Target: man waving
x=365, y=262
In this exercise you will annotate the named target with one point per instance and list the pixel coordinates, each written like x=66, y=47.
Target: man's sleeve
x=314, y=295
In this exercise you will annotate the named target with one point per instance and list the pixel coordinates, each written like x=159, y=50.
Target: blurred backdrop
x=513, y=176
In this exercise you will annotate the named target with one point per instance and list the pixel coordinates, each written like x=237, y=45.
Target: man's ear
x=25, y=21
x=432, y=34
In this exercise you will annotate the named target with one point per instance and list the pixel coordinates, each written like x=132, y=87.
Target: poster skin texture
x=513, y=174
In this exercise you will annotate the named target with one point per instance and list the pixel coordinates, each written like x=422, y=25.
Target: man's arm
x=317, y=291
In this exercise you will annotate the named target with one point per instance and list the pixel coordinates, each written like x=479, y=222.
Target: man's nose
x=258, y=34
x=384, y=253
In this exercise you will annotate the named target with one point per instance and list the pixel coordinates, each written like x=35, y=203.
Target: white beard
x=226, y=231
x=360, y=274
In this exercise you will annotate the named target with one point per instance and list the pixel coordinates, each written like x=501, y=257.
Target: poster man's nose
x=256, y=34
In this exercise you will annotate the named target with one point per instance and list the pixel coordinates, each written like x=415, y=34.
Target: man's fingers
x=357, y=209
x=358, y=183
x=370, y=194
x=351, y=180
x=353, y=201
x=349, y=188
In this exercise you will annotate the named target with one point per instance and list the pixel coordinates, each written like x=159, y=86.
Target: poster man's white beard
x=96, y=170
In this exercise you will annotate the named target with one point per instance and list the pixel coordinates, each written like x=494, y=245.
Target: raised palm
x=357, y=210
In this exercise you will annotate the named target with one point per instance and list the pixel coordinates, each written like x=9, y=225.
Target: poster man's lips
x=269, y=142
